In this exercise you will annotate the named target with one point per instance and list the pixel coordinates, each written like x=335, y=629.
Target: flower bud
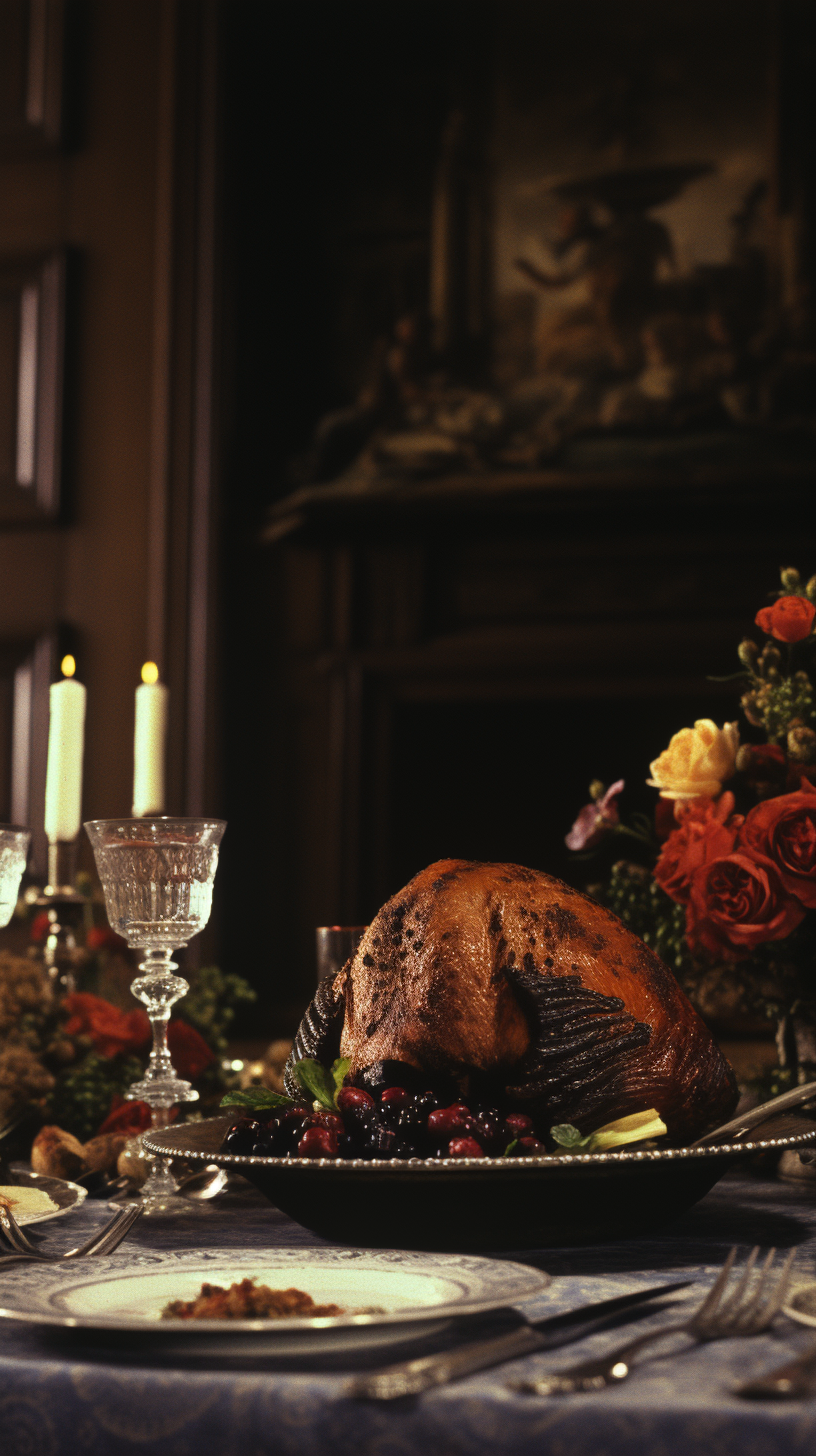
x=810, y=589
x=748, y=703
x=802, y=744
x=745, y=754
x=790, y=578
x=747, y=652
x=596, y=790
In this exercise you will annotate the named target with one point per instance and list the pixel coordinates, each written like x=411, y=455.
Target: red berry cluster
x=395, y=1124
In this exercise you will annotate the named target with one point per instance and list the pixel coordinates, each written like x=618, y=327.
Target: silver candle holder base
x=65, y=907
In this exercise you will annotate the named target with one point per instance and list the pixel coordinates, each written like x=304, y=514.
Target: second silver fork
x=743, y=1312
x=104, y=1241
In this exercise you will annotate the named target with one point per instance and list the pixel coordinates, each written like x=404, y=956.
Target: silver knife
x=795, y=1380
x=411, y=1377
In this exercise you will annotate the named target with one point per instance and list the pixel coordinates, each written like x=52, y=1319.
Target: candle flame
x=68, y=666
x=150, y=673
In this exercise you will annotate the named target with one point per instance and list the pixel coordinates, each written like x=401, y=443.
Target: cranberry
x=294, y=1114
x=354, y=1099
x=529, y=1147
x=318, y=1142
x=395, y=1097
x=450, y=1120
x=464, y=1147
x=329, y=1120
x=519, y=1124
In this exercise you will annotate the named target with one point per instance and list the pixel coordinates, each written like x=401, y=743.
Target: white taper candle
x=66, y=741
x=149, y=736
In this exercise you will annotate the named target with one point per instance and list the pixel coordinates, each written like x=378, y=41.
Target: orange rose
x=696, y=762
x=706, y=830
x=110, y=1030
x=789, y=619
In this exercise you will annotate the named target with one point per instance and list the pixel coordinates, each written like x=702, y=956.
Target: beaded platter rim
x=166, y=1142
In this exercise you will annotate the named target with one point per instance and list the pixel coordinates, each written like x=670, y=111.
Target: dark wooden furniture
x=451, y=663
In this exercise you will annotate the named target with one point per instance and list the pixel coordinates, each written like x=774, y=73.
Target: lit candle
x=66, y=739
x=148, y=743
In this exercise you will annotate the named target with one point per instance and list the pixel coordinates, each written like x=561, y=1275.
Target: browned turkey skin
x=502, y=973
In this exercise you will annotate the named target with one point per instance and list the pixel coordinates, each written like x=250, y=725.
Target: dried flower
x=24, y=991
x=23, y=1079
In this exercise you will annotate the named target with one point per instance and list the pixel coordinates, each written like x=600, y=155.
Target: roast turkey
x=496, y=975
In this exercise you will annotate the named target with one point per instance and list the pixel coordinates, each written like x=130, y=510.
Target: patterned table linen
x=63, y=1393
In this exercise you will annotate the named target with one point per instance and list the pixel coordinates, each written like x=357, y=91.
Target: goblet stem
x=159, y=989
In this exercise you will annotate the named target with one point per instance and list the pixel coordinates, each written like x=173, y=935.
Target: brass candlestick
x=64, y=905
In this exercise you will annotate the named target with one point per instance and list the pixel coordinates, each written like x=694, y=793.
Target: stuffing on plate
x=248, y=1300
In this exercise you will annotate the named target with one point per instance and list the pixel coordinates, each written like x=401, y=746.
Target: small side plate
x=801, y=1305
x=67, y=1196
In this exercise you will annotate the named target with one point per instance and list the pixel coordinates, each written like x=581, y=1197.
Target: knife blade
x=411, y=1377
x=795, y=1380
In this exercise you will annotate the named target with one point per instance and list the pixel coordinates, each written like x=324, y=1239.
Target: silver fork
x=743, y=1312
x=104, y=1241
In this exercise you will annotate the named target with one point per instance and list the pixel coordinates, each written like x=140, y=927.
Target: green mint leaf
x=568, y=1136
x=509, y=1149
x=315, y=1080
x=338, y=1073
x=256, y=1097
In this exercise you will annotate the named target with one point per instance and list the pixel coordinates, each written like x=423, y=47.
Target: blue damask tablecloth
x=73, y=1395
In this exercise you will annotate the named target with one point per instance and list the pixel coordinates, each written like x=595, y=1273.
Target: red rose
x=664, y=820
x=189, y=1051
x=101, y=937
x=127, y=1118
x=40, y=926
x=110, y=1030
x=737, y=903
x=706, y=830
x=789, y=619
x=784, y=831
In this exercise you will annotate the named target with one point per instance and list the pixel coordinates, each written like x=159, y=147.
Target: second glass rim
x=145, y=819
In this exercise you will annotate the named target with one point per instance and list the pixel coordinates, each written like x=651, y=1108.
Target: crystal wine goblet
x=157, y=878
x=13, y=851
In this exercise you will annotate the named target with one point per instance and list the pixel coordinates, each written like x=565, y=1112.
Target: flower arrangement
x=729, y=895
x=69, y=1061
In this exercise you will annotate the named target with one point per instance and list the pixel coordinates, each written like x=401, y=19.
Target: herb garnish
x=631, y=1129
x=319, y=1083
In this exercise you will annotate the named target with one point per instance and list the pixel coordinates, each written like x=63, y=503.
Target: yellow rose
x=696, y=762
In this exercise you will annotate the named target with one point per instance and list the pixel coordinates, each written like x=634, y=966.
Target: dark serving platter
x=485, y=1203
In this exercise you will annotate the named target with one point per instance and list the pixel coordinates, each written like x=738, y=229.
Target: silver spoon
x=206, y=1183
x=754, y=1115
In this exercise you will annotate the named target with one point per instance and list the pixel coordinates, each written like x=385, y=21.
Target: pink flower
x=595, y=820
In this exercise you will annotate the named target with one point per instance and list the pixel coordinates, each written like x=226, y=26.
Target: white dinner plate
x=67, y=1196
x=387, y=1294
